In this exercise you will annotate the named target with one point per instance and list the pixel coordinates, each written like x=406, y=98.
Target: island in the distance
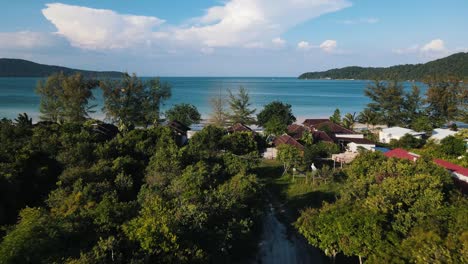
x=24, y=68
x=456, y=64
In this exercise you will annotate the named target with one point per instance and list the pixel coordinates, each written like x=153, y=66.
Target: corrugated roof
x=452, y=167
x=287, y=139
x=401, y=154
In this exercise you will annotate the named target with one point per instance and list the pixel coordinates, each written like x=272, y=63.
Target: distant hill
x=24, y=68
x=455, y=65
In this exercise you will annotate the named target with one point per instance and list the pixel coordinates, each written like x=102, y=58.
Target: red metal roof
x=452, y=167
x=286, y=139
x=401, y=154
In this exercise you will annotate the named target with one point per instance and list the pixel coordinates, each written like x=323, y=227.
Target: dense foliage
x=187, y=114
x=456, y=64
x=137, y=197
x=391, y=210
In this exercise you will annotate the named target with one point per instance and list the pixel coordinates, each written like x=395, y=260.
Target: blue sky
x=231, y=37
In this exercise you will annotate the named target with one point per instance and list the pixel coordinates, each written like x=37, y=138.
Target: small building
x=354, y=144
x=239, y=127
x=297, y=131
x=459, y=173
x=288, y=140
x=180, y=131
x=387, y=134
x=440, y=133
x=402, y=154
x=320, y=136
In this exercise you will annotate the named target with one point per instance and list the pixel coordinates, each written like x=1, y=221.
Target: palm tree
x=349, y=120
x=368, y=117
x=23, y=120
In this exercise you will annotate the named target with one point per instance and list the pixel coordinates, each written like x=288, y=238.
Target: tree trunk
x=360, y=259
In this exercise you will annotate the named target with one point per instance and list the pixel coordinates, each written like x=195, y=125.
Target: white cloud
x=100, y=28
x=26, y=40
x=279, y=42
x=368, y=20
x=304, y=45
x=328, y=45
x=412, y=49
x=436, y=45
x=237, y=23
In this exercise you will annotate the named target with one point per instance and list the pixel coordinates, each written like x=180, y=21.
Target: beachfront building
x=271, y=153
x=239, y=127
x=459, y=173
x=180, y=131
x=387, y=134
x=440, y=133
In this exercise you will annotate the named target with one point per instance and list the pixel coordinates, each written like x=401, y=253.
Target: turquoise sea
x=309, y=98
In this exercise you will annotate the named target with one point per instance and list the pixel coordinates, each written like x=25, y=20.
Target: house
x=271, y=153
x=353, y=144
x=402, y=154
x=288, y=140
x=440, y=133
x=387, y=134
x=333, y=130
x=320, y=136
x=459, y=173
x=313, y=122
x=297, y=131
x=239, y=127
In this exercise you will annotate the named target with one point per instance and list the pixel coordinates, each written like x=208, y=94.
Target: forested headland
x=24, y=68
x=453, y=65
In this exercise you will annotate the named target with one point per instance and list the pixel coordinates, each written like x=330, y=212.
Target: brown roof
x=239, y=127
x=333, y=128
x=286, y=139
x=296, y=131
x=321, y=136
x=313, y=122
x=178, y=127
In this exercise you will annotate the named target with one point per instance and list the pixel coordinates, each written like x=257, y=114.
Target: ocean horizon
x=309, y=98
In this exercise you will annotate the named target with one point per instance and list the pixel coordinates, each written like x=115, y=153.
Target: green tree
x=65, y=98
x=445, y=98
x=387, y=101
x=187, y=114
x=290, y=156
x=453, y=146
x=239, y=143
x=129, y=101
x=413, y=105
x=218, y=115
x=368, y=117
x=23, y=120
x=278, y=110
x=422, y=124
x=349, y=120
x=275, y=126
x=336, y=117
x=407, y=142
x=240, y=107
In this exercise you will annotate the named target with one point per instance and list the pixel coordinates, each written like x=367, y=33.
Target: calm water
x=309, y=98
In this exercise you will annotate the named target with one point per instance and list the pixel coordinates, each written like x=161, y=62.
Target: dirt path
x=277, y=247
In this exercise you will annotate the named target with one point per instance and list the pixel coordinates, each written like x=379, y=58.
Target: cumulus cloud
x=304, y=45
x=100, y=28
x=328, y=45
x=436, y=45
x=26, y=40
x=433, y=49
x=237, y=23
x=279, y=42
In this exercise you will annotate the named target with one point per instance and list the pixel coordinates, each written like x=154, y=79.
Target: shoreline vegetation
x=138, y=190
x=453, y=65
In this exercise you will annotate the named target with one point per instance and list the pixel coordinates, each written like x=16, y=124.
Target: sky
x=231, y=37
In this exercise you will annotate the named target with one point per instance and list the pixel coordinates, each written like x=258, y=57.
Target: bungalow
x=271, y=153
x=387, y=134
x=440, y=133
x=459, y=173
x=239, y=127
x=180, y=131
x=296, y=131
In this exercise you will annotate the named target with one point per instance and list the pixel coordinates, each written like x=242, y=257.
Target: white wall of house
x=349, y=135
x=270, y=153
x=354, y=147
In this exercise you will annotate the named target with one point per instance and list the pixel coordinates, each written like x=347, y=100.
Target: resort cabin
x=239, y=127
x=387, y=134
x=297, y=131
x=459, y=173
x=271, y=153
x=440, y=133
